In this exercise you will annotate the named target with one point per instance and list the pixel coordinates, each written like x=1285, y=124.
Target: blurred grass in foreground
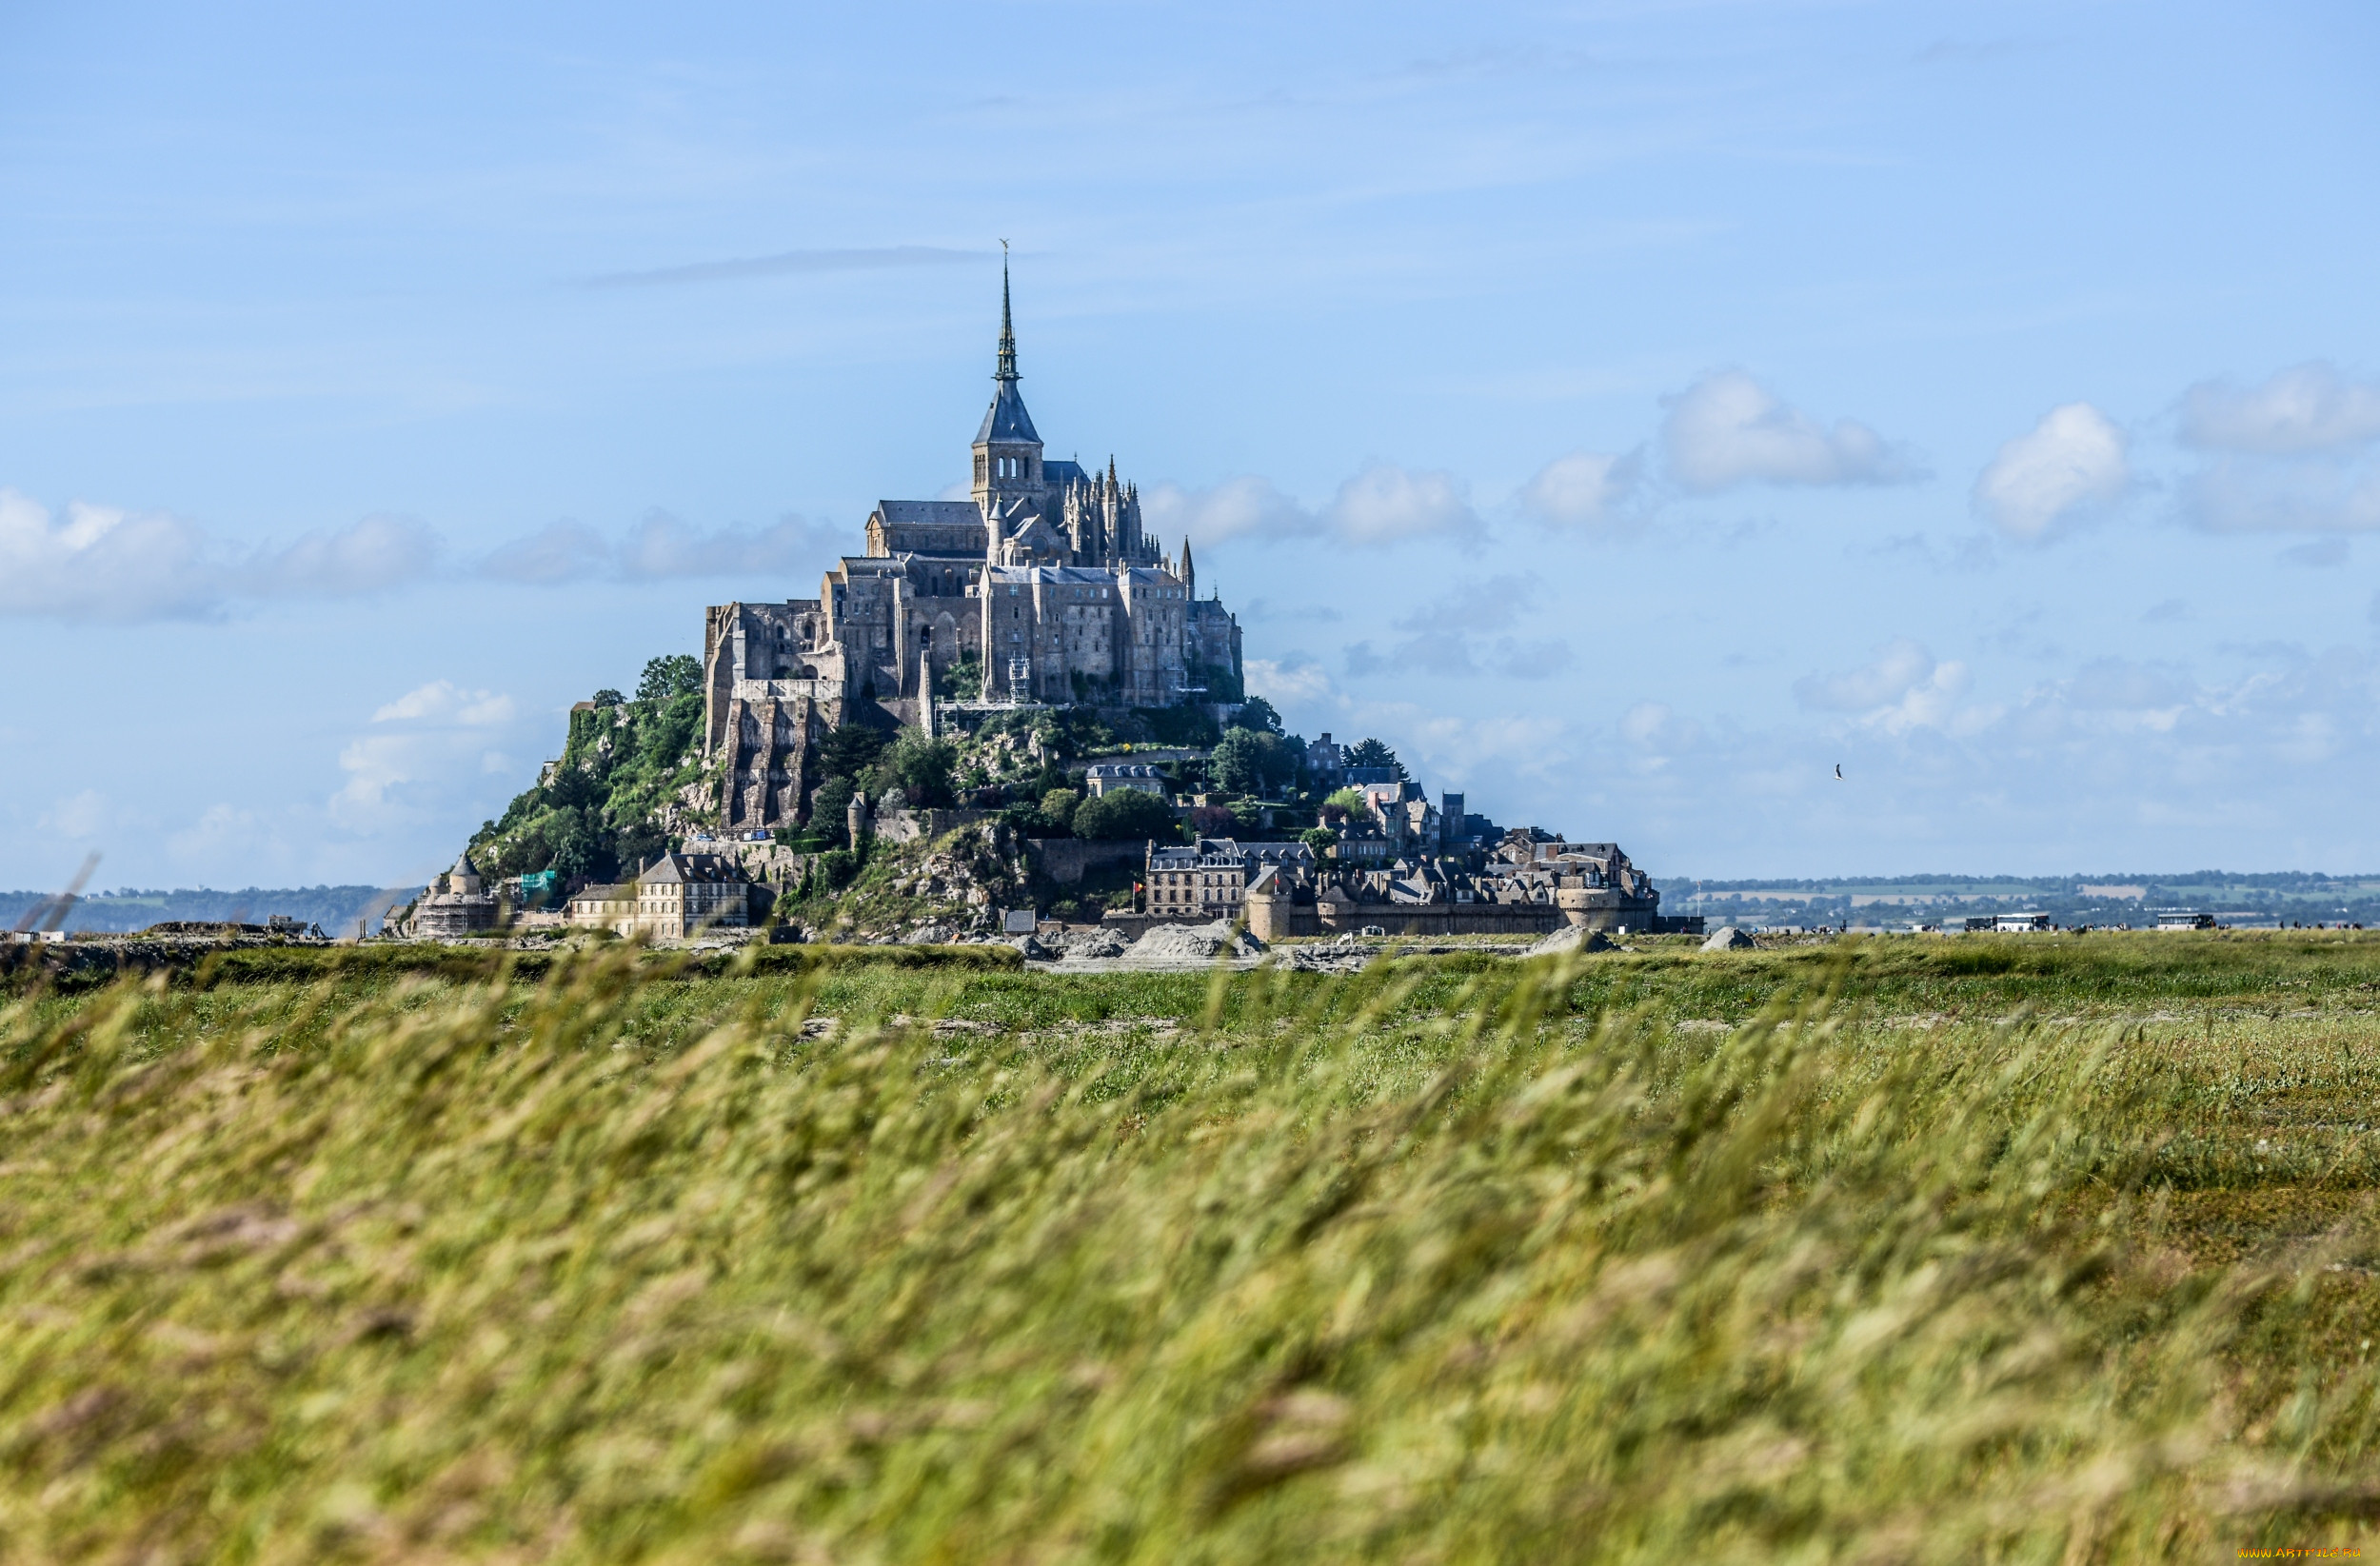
x=1449, y=1261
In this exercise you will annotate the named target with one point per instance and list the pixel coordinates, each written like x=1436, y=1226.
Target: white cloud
x=2319, y=554
x=377, y=552
x=1583, y=489
x=2285, y=495
x=78, y=816
x=1286, y=681
x=560, y=551
x=1466, y=631
x=1727, y=429
x=104, y=563
x=439, y=738
x=662, y=546
x=1644, y=722
x=2071, y=461
x=1382, y=504
x=100, y=563
x=441, y=702
x=2305, y=409
x=221, y=829
x=375, y=765
x=1237, y=507
x=1898, y=665
x=1385, y=503
x=2294, y=455
x=1900, y=688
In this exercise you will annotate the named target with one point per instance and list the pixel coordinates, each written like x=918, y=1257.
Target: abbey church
x=1042, y=587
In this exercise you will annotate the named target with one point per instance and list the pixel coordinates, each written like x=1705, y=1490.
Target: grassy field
x=2040, y=1249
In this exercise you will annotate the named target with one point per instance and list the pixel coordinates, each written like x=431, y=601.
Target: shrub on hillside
x=1123, y=814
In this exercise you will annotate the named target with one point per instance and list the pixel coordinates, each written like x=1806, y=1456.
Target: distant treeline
x=2273, y=881
x=335, y=908
x=2117, y=898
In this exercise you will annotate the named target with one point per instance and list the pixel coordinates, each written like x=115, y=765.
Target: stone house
x=1326, y=763
x=1208, y=879
x=1106, y=777
x=677, y=896
x=460, y=904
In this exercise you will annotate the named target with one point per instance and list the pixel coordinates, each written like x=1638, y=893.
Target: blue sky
x=1629, y=411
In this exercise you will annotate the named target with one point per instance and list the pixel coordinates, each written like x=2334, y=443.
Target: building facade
x=459, y=904
x=1107, y=777
x=1209, y=879
x=675, y=897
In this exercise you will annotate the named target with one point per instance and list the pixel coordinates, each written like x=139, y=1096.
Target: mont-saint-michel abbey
x=1042, y=586
x=1017, y=697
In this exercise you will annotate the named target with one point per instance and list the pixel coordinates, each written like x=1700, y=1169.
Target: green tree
x=827, y=806
x=609, y=698
x=920, y=767
x=680, y=674
x=1257, y=714
x=1249, y=760
x=1126, y=813
x=1058, y=805
x=1373, y=753
x=1348, y=802
x=1320, y=839
x=850, y=751
x=962, y=679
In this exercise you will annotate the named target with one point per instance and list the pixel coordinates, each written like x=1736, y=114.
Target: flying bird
x=1838, y=772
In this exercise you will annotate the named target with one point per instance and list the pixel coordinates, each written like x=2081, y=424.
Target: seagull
x=1838, y=772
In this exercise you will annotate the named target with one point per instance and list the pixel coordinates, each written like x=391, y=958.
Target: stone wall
x=764, y=746
x=1064, y=860
x=914, y=826
x=1272, y=918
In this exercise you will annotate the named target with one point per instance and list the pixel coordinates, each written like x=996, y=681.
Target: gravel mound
x=1570, y=938
x=1727, y=938
x=1181, y=943
x=1091, y=947
x=1329, y=958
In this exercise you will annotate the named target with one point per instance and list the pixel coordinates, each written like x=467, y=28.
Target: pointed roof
x=1006, y=419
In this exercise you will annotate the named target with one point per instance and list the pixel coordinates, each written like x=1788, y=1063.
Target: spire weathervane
x=1007, y=370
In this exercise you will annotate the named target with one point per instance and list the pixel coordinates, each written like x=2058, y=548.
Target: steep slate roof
x=1143, y=576
x=940, y=513
x=1006, y=419
x=714, y=868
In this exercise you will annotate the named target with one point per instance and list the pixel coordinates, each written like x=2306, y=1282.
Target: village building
x=1208, y=879
x=459, y=904
x=1519, y=891
x=1107, y=777
x=1326, y=763
x=677, y=896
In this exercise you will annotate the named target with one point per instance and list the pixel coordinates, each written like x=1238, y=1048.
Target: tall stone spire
x=1007, y=450
x=1007, y=370
x=1189, y=572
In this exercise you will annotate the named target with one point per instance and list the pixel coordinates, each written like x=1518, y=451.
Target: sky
x=1632, y=412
